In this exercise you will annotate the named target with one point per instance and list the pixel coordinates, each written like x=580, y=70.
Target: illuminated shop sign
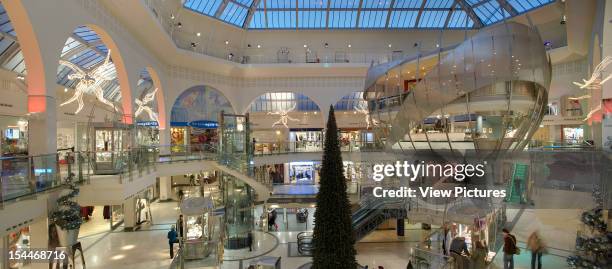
x=204, y=124
x=148, y=123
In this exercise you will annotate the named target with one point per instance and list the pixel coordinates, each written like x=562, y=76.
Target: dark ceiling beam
x=249, y=17
x=466, y=7
x=327, y=14
x=450, y=13
x=358, y=14
x=221, y=8
x=389, y=13
x=504, y=4
x=418, y=18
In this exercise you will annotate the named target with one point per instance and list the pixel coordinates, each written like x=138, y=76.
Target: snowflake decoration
x=143, y=105
x=284, y=116
x=89, y=81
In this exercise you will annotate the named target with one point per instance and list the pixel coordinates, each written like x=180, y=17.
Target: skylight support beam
x=221, y=8
x=89, y=45
x=418, y=18
x=504, y=4
x=389, y=13
x=450, y=14
x=249, y=17
x=327, y=14
x=477, y=22
x=358, y=14
x=8, y=36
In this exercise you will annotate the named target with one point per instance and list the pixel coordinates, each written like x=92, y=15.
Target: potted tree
x=67, y=215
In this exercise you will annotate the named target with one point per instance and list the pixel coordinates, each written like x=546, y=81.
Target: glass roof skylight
x=362, y=14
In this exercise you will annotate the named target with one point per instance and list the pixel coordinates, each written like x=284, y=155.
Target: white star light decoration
x=284, y=116
x=362, y=108
x=143, y=105
x=595, y=82
x=90, y=81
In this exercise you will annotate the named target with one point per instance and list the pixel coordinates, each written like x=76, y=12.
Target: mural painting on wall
x=199, y=107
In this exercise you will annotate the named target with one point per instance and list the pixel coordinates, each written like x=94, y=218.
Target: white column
x=164, y=141
x=165, y=188
x=42, y=130
x=286, y=172
x=129, y=215
x=39, y=239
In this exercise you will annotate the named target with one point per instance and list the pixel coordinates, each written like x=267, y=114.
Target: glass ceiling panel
x=342, y=19
x=344, y=4
x=433, y=19
x=371, y=14
x=258, y=21
x=408, y=3
x=403, y=19
x=351, y=102
x=276, y=101
x=311, y=19
x=234, y=14
x=376, y=3
x=206, y=7
x=373, y=19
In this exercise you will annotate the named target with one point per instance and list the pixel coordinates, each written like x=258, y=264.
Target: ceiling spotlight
x=305, y=46
x=172, y=16
x=437, y=45
x=20, y=77
x=326, y=45
x=563, y=20
x=349, y=45
x=258, y=46
x=198, y=34
x=390, y=45
x=226, y=42
x=179, y=25
x=65, y=89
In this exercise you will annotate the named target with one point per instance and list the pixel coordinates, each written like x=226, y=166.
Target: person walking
x=479, y=256
x=510, y=249
x=537, y=248
x=250, y=241
x=180, y=226
x=172, y=238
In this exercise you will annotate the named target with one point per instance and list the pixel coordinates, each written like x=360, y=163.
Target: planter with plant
x=67, y=216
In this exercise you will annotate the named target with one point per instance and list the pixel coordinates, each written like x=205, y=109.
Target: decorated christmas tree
x=67, y=216
x=333, y=232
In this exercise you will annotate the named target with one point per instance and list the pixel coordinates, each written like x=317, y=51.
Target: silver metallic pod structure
x=487, y=93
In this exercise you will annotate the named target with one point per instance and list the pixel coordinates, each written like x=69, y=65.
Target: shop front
x=16, y=241
x=147, y=134
x=194, y=136
x=13, y=136
x=303, y=173
x=353, y=139
x=306, y=140
x=573, y=134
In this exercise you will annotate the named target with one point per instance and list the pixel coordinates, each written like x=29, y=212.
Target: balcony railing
x=288, y=147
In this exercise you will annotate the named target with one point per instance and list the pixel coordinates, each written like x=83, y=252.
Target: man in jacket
x=172, y=238
x=509, y=249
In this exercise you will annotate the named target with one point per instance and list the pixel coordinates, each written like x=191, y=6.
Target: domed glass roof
x=362, y=14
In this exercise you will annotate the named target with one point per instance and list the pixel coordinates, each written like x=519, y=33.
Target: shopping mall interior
x=198, y=133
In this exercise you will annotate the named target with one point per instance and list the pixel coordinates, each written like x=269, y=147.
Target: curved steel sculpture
x=487, y=93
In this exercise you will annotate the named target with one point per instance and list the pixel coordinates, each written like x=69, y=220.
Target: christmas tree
x=333, y=232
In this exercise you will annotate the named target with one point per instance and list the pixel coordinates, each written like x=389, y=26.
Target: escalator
x=370, y=214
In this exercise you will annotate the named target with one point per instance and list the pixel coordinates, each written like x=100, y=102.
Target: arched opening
x=354, y=122
x=91, y=69
x=17, y=98
x=195, y=119
x=286, y=121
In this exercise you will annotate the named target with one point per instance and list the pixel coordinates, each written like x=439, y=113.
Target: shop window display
x=13, y=136
x=307, y=140
x=18, y=241
x=177, y=138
